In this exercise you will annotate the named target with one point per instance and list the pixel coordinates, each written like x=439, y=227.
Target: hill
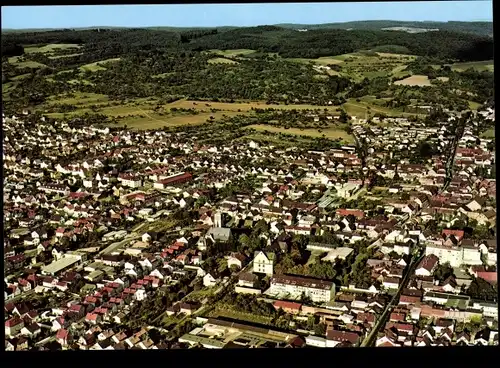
x=477, y=28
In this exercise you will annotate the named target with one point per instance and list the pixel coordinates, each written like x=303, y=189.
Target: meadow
x=330, y=133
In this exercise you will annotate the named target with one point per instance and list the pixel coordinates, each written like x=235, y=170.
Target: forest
x=285, y=42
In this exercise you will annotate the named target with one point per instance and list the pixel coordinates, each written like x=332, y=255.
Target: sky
x=211, y=15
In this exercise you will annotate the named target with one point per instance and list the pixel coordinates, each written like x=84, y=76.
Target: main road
x=380, y=323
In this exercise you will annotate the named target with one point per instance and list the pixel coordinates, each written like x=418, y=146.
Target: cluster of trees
x=481, y=289
x=249, y=304
x=443, y=271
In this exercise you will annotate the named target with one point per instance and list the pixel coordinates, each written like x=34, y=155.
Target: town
x=122, y=239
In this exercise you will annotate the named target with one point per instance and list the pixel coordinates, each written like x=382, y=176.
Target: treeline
x=11, y=49
x=286, y=42
x=317, y=43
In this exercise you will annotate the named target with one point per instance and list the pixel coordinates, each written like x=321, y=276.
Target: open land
x=330, y=133
x=414, y=80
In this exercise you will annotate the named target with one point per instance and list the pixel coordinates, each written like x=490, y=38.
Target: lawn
x=98, y=65
x=221, y=61
x=414, y=80
x=330, y=133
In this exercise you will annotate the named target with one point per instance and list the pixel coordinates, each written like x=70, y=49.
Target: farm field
x=414, y=80
x=477, y=65
x=330, y=133
x=221, y=61
x=233, y=53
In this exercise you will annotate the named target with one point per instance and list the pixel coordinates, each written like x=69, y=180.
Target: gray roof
x=220, y=233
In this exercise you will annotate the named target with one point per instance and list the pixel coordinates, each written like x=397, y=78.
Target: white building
x=264, y=263
x=453, y=255
x=294, y=287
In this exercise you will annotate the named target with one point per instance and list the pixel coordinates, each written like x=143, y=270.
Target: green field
x=477, y=65
x=330, y=133
x=15, y=60
x=98, y=65
x=50, y=48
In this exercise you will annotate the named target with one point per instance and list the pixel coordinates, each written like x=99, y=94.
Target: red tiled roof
x=341, y=336
x=459, y=234
x=287, y=305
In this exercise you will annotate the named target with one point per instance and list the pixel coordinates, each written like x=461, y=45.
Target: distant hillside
x=171, y=29
x=287, y=42
x=478, y=28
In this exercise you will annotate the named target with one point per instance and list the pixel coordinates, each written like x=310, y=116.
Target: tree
x=320, y=329
x=425, y=150
x=344, y=118
x=443, y=271
x=481, y=289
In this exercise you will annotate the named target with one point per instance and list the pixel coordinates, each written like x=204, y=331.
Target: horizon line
x=260, y=25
